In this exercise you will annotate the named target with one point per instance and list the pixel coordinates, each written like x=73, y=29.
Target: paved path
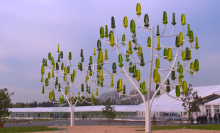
x=66, y=123
x=79, y=122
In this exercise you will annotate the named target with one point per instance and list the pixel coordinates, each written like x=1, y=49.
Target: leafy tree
x=191, y=102
x=17, y=105
x=109, y=111
x=27, y=106
x=134, y=98
x=45, y=104
x=113, y=97
x=10, y=105
x=31, y=104
x=22, y=104
x=5, y=99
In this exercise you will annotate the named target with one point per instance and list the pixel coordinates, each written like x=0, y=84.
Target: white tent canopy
x=118, y=108
x=162, y=104
x=166, y=103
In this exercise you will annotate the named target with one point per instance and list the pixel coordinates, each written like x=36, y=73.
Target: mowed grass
x=201, y=127
x=41, y=119
x=28, y=129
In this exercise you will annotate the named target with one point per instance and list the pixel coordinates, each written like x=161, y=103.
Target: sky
x=31, y=29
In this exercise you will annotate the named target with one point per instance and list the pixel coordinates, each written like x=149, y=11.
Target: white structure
x=210, y=106
x=164, y=105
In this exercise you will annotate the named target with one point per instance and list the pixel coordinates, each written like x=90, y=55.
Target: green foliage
x=43, y=90
x=191, y=101
x=132, y=26
x=41, y=119
x=177, y=91
x=119, y=85
x=173, y=22
x=70, y=56
x=125, y=22
x=124, y=90
x=42, y=69
x=114, y=67
x=158, y=30
x=61, y=54
x=106, y=54
x=123, y=39
x=142, y=60
x=108, y=111
x=129, y=51
x=101, y=32
x=196, y=65
x=146, y=20
x=183, y=19
x=5, y=99
x=138, y=9
x=158, y=44
x=157, y=86
x=165, y=17
x=92, y=97
x=155, y=75
x=28, y=129
x=120, y=60
x=157, y=64
x=173, y=75
x=168, y=85
x=143, y=88
x=134, y=71
x=113, y=22
x=201, y=127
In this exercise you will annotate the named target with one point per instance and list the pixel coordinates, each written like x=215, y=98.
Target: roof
x=118, y=108
x=168, y=104
x=209, y=98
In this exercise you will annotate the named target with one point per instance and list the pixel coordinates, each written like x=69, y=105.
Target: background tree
x=5, y=99
x=135, y=100
x=131, y=61
x=191, y=102
x=108, y=111
x=115, y=99
x=27, y=106
x=17, y=105
x=10, y=105
x=31, y=104
x=89, y=101
x=45, y=104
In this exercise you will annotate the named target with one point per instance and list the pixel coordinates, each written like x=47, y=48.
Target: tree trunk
x=147, y=119
x=71, y=116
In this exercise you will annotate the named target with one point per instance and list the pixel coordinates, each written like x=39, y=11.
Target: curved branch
x=174, y=63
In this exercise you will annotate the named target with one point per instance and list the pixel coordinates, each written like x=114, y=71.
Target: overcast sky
x=29, y=29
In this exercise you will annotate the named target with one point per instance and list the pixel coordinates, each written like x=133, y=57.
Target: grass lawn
x=12, y=121
x=28, y=129
x=202, y=127
x=41, y=119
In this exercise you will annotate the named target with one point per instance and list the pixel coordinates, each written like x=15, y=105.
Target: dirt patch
x=121, y=129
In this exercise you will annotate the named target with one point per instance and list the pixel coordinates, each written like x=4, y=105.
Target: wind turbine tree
x=166, y=70
x=59, y=78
